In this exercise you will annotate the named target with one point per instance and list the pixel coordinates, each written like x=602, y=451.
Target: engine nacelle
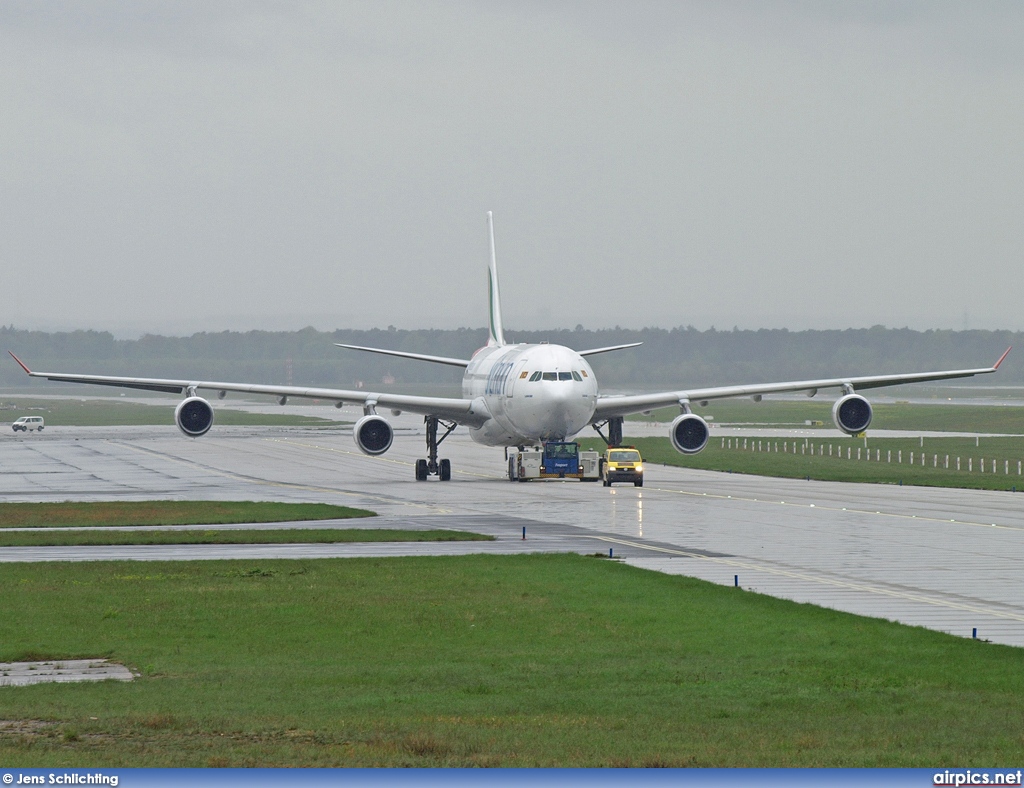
x=373, y=435
x=689, y=433
x=852, y=414
x=194, y=416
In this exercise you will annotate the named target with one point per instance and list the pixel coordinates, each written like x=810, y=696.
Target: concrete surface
x=945, y=559
x=20, y=674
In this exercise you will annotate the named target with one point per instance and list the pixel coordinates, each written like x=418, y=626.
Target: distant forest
x=679, y=357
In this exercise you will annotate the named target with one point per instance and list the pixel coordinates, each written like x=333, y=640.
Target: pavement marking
x=896, y=515
x=794, y=575
x=836, y=545
x=268, y=483
x=339, y=451
x=406, y=463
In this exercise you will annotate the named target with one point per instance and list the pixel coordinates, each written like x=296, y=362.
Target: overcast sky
x=198, y=166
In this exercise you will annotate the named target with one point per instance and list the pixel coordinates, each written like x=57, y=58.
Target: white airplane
x=517, y=395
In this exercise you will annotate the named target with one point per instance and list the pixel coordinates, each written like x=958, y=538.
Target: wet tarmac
x=945, y=559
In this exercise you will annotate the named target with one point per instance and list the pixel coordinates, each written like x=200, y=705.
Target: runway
x=945, y=559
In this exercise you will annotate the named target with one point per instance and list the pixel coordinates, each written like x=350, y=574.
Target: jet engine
x=852, y=414
x=689, y=433
x=373, y=435
x=194, y=416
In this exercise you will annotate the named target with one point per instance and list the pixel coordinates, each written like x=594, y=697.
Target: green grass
x=114, y=513
x=111, y=412
x=483, y=661
x=836, y=467
x=43, y=538
x=1005, y=419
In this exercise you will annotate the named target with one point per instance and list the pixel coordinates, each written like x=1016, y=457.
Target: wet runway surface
x=945, y=559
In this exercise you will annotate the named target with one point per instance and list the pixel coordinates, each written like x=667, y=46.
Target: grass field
x=889, y=463
x=45, y=538
x=111, y=412
x=114, y=513
x=1004, y=419
x=483, y=661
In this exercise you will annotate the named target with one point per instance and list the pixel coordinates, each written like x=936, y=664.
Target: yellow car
x=622, y=464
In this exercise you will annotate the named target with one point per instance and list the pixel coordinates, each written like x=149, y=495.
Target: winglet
x=994, y=366
x=29, y=371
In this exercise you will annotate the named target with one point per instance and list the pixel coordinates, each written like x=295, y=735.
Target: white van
x=26, y=423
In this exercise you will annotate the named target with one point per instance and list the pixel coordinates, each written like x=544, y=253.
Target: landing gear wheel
x=431, y=466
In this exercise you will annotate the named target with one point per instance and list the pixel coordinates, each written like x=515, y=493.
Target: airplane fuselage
x=534, y=393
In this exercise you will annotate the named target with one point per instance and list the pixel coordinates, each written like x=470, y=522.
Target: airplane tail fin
x=495, y=336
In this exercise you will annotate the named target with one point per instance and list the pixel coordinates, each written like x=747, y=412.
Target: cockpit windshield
x=574, y=375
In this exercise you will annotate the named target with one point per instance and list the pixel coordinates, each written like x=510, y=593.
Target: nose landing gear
x=432, y=466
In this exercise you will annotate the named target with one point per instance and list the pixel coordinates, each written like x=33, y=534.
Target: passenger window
x=534, y=377
x=550, y=376
x=565, y=376
x=576, y=376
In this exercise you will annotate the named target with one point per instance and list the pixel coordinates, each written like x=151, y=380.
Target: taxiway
x=945, y=559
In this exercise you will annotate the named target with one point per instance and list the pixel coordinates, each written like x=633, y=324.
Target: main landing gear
x=614, y=431
x=431, y=466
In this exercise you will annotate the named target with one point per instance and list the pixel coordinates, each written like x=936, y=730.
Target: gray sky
x=187, y=166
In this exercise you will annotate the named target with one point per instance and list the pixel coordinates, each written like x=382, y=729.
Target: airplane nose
x=554, y=409
x=563, y=407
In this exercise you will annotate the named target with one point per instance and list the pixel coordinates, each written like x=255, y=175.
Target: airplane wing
x=462, y=411
x=611, y=406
